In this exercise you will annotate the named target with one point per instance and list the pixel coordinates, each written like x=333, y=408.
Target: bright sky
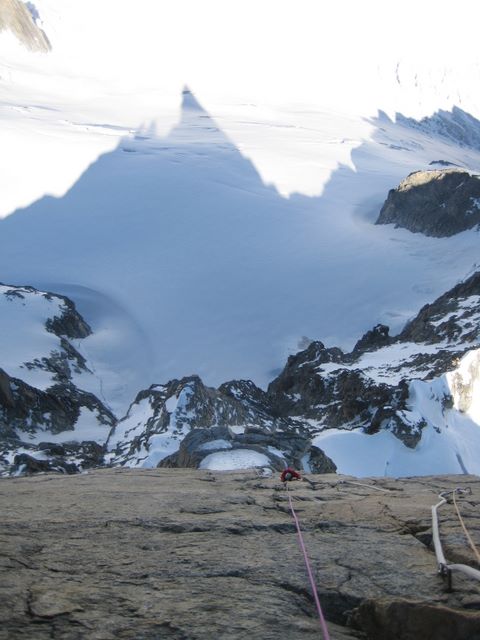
x=302, y=51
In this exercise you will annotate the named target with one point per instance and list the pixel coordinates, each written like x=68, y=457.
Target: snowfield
x=220, y=274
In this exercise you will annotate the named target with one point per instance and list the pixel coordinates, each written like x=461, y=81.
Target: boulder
x=437, y=203
x=374, y=339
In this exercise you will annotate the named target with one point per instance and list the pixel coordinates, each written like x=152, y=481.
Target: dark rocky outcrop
x=69, y=458
x=196, y=416
x=181, y=405
x=453, y=317
x=299, y=387
x=437, y=203
x=59, y=406
x=56, y=410
x=70, y=323
x=319, y=388
x=257, y=403
x=25, y=410
x=23, y=463
x=336, y=390
x=65, y=323
x=6, y=393
x=374, y=339
x=347, y=398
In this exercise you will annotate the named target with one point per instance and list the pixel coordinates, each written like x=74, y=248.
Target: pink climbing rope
x=323, y=623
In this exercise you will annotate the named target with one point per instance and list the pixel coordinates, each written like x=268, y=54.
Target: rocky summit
x=196, y=555
x=437, y=203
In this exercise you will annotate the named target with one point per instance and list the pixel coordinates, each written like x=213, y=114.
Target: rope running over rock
x=301, y=542
x=469, y=538
x=445, y=569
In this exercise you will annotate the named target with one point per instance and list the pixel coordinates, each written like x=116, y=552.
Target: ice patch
x=236, y=459
x=171, y=404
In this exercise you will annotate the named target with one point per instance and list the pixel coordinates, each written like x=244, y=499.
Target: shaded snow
x=231, y=275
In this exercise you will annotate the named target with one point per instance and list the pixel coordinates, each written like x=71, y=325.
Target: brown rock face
x=15, y=17
x=436, y=203
x=192, y=555
x=388, y=618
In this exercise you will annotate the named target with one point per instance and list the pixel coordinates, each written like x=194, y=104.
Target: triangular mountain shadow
x=223, y=273
x=196, y=138
x=182, y=231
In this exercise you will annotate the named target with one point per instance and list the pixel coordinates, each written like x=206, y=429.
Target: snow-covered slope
x=217, y=232
x=223, y=275
x=40, y=333
x=45, y=341
x=437, y=356
x=450, y=431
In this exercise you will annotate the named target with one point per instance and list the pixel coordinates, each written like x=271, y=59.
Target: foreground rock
x=437, y=203
x=196, y=555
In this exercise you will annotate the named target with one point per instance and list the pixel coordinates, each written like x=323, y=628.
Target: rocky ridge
x=238, y=415
x=27, y=413
x=438, y=203
x=455, y=125
x=185, y=423
x=42, y=403
x=195, y=555
x=18, y=17
x=320, y=388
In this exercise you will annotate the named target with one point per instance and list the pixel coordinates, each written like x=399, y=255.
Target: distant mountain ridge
x=456, y=125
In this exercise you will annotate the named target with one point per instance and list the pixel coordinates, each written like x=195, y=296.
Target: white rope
x=443, y=566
